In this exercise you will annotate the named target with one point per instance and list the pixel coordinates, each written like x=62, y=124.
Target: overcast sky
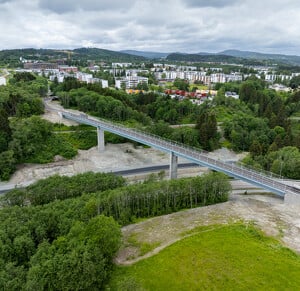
x=192, y=26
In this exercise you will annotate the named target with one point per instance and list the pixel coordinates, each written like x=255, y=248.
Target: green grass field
x=234, y=257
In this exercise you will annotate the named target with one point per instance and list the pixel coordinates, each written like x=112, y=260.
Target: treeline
x=61, y=188
x=69, y=244
x=153, y=199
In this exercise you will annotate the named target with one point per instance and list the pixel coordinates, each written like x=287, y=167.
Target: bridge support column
x=101, y=142
x=173, y=166
x=292, y=199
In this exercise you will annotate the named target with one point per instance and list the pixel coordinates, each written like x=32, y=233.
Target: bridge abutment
x=292, y=198
x=173, y=166
x=101, y=141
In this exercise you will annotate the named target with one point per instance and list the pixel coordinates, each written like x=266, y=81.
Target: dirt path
x=270, y=214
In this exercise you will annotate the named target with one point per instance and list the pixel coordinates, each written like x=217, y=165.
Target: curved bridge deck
x=263, y=180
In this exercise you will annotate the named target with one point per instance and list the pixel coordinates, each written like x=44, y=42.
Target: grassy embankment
x=234, y=257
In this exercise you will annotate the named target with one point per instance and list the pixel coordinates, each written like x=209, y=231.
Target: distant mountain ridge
x=94, y=54
x=201, y=58
x=291, y=59
x=236, y=56
x=97, y=54
x=146, y=54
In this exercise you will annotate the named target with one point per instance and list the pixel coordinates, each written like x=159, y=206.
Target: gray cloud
x=209, y=3
x=65, y=6
x=169, y=25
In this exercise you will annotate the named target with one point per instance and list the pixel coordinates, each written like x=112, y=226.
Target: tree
x=207, y=130
x=29, y=136
x=7, y=164
x=181, y=84
x=286, y=162
x=142, y=86
x=82, y=260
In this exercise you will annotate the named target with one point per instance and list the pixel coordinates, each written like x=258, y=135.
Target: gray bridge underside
x=199, y=157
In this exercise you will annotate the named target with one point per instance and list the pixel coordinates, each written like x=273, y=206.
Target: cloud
x=209, y=3
x=66, y=6
x=168, y=26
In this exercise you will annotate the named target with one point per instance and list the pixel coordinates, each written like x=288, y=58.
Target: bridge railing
x=265, y=178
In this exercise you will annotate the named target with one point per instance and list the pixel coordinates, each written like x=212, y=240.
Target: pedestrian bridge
x=263, y=180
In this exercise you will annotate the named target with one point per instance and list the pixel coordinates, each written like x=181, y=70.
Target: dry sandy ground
x=269, y=213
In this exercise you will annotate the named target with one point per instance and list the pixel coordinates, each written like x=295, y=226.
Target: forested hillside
x=11, y=58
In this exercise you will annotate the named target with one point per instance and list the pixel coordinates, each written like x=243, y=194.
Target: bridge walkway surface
x=267, y=181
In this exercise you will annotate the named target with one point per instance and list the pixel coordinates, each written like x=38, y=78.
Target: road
x=237, y=185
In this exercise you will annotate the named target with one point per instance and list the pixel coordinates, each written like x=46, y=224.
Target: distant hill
x=12, y=57
x=82, y=55
x=289, y=59
x=105, y=55
x=236, y=57
x=148, y=55
x=202, y=58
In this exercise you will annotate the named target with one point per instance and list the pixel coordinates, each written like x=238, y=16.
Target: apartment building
x=130, y=82
x=2, y=81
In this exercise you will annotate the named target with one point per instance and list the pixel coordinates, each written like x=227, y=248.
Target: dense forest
x=265, y=124
x=56, y=234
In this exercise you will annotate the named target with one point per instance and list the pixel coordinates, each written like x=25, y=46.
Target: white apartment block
x=83, y=77
x=130, y=82
x=218, y=78
x=104, y=83
x=135, y=72
x=121, y=65
x=2, y=81
x=234, y=77
x=273, y=77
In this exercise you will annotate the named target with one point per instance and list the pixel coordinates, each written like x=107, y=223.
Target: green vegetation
x=38, y=240
x=81, y=260
x=80, y=56
x=31, y=140
x=127, y=204
x=231, y=257
x=24, y=137
x=260, y=123
x=51, y=237
x=60, y=188
x=150, y=112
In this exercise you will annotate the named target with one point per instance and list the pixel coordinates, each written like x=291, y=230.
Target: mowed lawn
x=232, y=257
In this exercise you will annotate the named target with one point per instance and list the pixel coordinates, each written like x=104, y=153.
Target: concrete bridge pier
x=101, y=141
x=173, y=166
